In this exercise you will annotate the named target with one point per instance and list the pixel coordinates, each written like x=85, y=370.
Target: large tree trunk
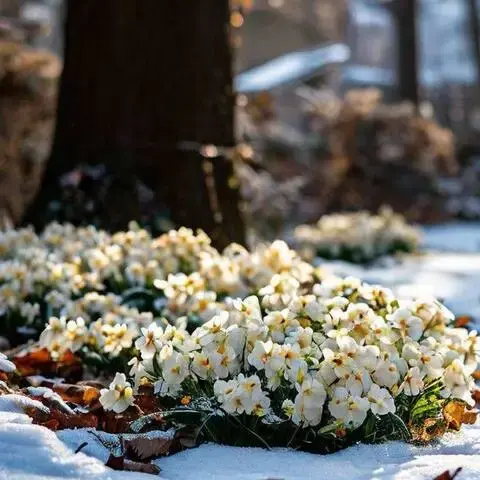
x=405, y=12
x=145, y=85
x=475, y=32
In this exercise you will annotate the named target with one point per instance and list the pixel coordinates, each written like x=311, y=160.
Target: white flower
x=75, y=334
x=118, y=337
x=386, y=374
x=412, y=383
x=54, y=331
x=150, y=341
x=358, y=382
x=175, y=370
x=458, y=383
x=351, y=410
x=212, y=330
x=381, y=402
x=223, y=389
x=406, y=323
x=118, y=396
x=30, y=311
x=429, y=362
x=309, y=402
x=288, y=408
x=301, y=337
x=260, y=354
x=201, y=365
x=278, y=322
x=223, y=361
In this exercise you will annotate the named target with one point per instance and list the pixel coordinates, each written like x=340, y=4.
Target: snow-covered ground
x=450, y=270
x=32, y=452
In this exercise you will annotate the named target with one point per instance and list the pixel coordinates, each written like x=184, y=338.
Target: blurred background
x=244, y=118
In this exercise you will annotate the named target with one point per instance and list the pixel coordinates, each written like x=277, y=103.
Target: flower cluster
x=95, y=290
x=326, y=356
x=357, y=237
x=257, y=336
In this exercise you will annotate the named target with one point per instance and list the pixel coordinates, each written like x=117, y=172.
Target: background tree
x=475, y=31
x=145, y=85
x=405, y=12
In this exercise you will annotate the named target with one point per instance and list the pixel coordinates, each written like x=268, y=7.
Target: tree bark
x=405, y=12
x=145, y=85
x=475, y=32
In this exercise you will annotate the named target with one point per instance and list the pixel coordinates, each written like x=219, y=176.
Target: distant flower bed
x=244, y=348
x=356, y=237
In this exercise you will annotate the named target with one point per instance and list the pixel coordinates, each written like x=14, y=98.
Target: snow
x=52, y=457
x=457, y=236
x=449, y=269
x=394, y=460
x=32, y=452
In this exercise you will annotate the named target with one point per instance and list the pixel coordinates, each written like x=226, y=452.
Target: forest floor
x=449, y=268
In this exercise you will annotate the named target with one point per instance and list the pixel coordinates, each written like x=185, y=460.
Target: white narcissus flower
x=118, y=337
x=386, y=373
x=30, y=311
x=214, y=328
x=301, y=337
x=381, y=402
x=406, y=323
x=75, y=334
x=150, y=341
x=358, y=382
x=174, y=369
x=201, y=365
x=223, y=361
x=309, y=402
x=223, y=389
x=351, y=410
x=54, y=331
x=118, y=396
x=429, y=362
x=260, y=354
x=458, y=383
x=412, y=383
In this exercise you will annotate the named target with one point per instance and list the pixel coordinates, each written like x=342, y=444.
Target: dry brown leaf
x=456, y=414
x=430, y=429
x=476, y=375
x=79, y=394
x=149, y=445
x=446, y=475
x=476, y=396
x=463, y=320
x=121, y=463
x=38, y=361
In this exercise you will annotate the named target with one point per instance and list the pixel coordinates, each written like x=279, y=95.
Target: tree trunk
x=405, y=12
x=475, y=32
x=145, y=85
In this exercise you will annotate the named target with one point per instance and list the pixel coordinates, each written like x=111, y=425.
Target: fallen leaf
x=36, y=361
x=446, y=475
x=130, y=466
x=456, y=414
x=80, y=394
x=463, y=320
x=148, y=445
x=476, y=375
x=430, y=429
x=124, y=464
